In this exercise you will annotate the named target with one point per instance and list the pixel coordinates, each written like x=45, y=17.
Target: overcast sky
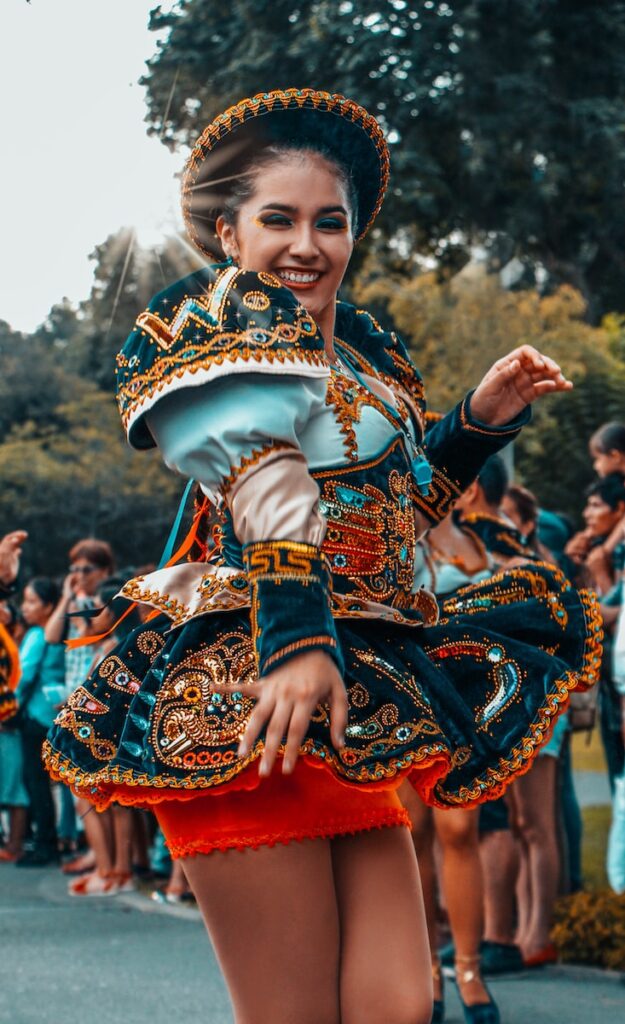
x=76, y=162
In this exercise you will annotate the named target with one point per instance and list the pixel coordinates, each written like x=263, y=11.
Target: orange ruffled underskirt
x=311, y=803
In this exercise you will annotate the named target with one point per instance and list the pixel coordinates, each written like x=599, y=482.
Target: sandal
x=80, y=865
x=468, y=970
x=94, y=884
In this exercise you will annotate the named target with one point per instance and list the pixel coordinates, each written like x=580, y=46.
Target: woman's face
x=297, y=225
x=509, y=509
x=605, y=463
x=601, y=518
x=34, y=611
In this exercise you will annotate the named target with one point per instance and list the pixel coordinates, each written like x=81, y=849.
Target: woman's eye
x=331, y=224
x=275, y=220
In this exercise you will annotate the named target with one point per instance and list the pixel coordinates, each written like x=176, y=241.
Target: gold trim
x=267, y=103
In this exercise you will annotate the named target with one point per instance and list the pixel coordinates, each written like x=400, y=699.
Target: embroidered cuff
x=290, y=588
x=456, y=448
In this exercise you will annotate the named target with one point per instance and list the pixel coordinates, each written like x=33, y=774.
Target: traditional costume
x=9, y=673
x=317, y=472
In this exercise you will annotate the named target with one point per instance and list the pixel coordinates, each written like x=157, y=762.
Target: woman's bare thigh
x=272, y=917
x=385, y=972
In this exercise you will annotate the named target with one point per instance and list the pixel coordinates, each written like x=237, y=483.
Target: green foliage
x=590, y=929
x=456, y=329
x=125, y=279
x=505, y=118
x=66, y=469
x=78, y=478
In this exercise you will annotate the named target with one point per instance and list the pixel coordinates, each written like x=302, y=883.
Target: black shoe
x=478, y=1013
x=40, y=857
x=497, y=957
x=500, y=958
x=438, y=1011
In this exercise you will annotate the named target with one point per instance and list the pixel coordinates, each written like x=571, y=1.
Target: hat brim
x=295, y=116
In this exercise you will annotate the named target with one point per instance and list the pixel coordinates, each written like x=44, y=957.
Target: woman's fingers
x=339, y=708
x=276, y=731
x=260, y=715
x=253, y=689
x=300, y=720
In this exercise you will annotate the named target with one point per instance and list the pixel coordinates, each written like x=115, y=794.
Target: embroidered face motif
x=296, y=225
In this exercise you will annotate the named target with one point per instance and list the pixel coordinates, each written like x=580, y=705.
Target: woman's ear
x=227, y=237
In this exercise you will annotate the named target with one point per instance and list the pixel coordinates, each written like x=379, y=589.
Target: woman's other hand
x=285, y=701
x=10, y=552
x=578, y=546
x=514, y=382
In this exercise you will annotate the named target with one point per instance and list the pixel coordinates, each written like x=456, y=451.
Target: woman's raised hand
x=285, y=701
x=10, y=551
x=514, y=382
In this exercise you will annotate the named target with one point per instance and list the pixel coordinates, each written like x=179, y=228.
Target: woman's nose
x=304, y=245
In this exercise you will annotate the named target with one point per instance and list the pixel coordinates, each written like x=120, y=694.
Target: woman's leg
x=422, y=833
x=385, y=975
x=122, y=832
x=38, y=785
x=535, y=796
x=99, y=833
x=272, y=917
x=18, y=819
x=458, y=834
x=572, y=819
x=499, y=856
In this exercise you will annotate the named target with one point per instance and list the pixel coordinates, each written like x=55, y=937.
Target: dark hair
x=98, y=552
x=493, y=479
x=47, y=590
x=524, y=501
x=116, y=606
x=244, y=186
x=608, y=438
x=610, y=488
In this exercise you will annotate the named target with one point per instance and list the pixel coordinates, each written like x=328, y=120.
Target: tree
x=77, y=477
x=126, y=277
x=33, y=380
x=504, y=116
x=457, y=329
x=66, y=469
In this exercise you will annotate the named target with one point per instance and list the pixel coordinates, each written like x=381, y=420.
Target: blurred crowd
x=491, y=876
x=63, y=629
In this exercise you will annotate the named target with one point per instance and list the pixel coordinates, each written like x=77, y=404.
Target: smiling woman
x=292, y=215
x=298, y=675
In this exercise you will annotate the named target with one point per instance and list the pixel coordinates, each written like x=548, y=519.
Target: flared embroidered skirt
x=458, y=708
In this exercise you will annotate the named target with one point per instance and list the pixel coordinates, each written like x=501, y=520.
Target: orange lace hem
x=393, y=818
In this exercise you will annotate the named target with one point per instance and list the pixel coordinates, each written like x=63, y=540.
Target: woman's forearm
x=55, y=626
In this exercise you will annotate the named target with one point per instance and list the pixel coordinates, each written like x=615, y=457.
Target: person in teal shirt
x=39, y=693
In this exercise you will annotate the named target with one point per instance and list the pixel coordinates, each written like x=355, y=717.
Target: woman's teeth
x=294, y=277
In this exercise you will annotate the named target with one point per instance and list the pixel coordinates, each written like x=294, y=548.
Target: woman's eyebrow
x=284, y=208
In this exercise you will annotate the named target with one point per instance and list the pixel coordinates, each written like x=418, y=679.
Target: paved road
x=65, y=961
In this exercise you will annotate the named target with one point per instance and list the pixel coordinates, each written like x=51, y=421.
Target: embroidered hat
x=299, y=116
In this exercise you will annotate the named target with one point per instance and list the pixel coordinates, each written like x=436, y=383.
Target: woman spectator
x=90, y=563
x=607, y=449
x=40, y=691
x=521, y=507
x=599, y=560
x=110, y=834
x=13, y=795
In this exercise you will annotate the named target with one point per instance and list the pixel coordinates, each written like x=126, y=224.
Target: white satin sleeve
x=240, y=439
